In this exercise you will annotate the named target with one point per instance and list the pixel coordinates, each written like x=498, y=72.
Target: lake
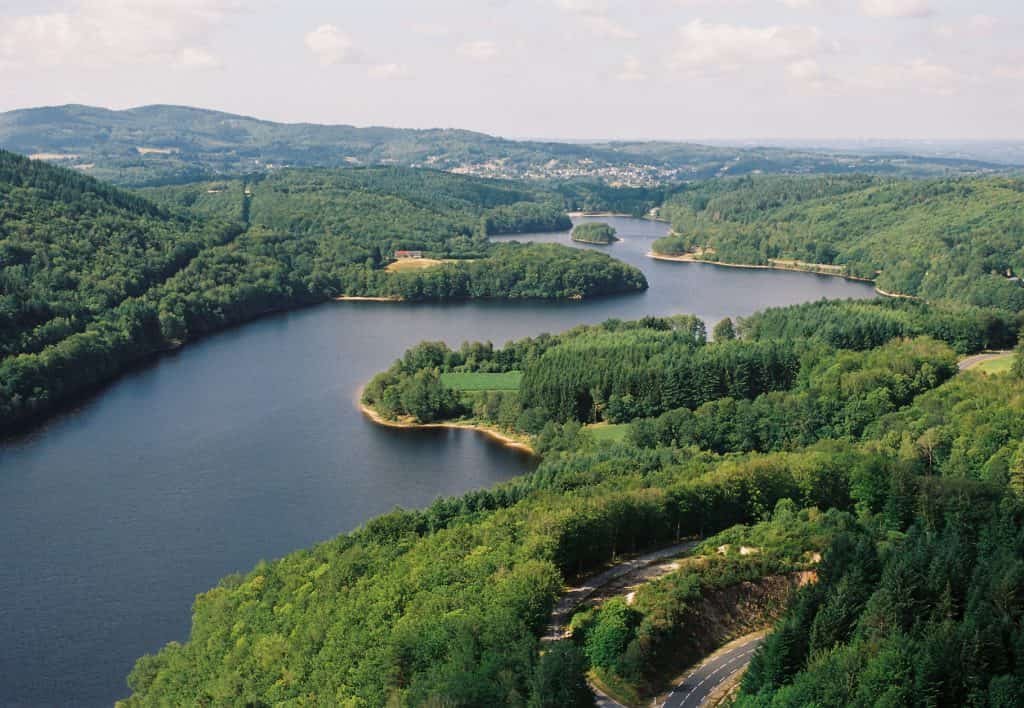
x=248, y=445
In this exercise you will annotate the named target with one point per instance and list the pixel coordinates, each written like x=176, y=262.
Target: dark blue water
x=248, y=445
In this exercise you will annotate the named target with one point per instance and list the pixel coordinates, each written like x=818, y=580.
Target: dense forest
x=950, y=239
x=902, y=475
x=94, y=279
x=772, y=389
x=594, y=232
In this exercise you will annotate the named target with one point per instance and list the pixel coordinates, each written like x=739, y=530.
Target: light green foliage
x=611, y=631
x=608, y=432
x=998, y=365
x=954, y=239
x=465, y=381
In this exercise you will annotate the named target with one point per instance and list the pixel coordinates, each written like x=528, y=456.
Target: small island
x=595, y=232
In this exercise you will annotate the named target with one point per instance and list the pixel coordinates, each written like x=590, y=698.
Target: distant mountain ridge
x=162, y=144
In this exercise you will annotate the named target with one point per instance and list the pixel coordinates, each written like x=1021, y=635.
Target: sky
x=560, y=69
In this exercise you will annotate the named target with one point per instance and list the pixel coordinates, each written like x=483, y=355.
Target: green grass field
x=507, y=381
x=996, y=366
x=608, y=431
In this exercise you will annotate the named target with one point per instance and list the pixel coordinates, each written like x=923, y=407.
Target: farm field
x=608, y=431
x=506, y=381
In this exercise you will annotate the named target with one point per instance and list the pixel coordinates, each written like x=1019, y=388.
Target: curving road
x=702, y=681
x=971, y=361
x=574, y=597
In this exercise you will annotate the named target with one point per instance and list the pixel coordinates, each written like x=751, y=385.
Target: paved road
x=696, y=687
x=972, y=361
x=574, y=597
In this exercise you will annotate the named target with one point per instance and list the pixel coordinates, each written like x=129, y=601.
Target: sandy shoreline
x=368, y=298
x=494, y=434
x=598, y=213
x=791, y=269
x=609, y=214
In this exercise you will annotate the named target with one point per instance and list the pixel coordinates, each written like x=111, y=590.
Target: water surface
x=247, y=445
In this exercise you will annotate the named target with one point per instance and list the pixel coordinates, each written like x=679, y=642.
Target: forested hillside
x=957, y=239
x=905, y=476
x=93, y=279
x=154, y=145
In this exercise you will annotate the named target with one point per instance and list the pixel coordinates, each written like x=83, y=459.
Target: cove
x=248, y=445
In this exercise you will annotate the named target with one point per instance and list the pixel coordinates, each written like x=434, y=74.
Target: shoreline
x=497, y=435
x=792, y=269
x=368, y=298
x=598, y=214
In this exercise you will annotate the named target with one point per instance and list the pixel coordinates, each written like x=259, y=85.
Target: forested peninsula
x=94, y=279
x=833, y=442
x=955, y=239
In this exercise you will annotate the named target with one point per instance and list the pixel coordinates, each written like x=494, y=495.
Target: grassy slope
x=507, y=381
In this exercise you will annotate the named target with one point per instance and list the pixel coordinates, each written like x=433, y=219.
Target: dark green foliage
x=524, y=217
x=594, y=232
x=937, y=623
x=724, y=331
x=955, y=239
x=1017, y=368
x=836, y=395
x=867, y=324
x=560, y=679
x=619, y=378
x=93, y=279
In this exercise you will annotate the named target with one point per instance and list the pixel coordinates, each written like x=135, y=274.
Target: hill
x=959, y=239
x=94, y=279
x=163, y=144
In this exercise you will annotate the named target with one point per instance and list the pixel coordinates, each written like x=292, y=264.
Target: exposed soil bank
x=501, y=436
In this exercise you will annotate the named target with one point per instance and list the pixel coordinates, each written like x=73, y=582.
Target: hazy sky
x=678, y=69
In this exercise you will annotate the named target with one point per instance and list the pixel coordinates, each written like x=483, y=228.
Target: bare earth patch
x=411, y=264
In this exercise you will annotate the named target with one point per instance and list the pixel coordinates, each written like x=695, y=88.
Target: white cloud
x=799, y=4
x=975, y=26
x=711, y=48
x=1014, y=72
x=583, y=6
x=430, y=29
x=809, y=74
x=479, y=50
x=331, y=46
x=896, y=8
x=631, y=70
x=195, y=58
x=389, y=71
x=983, y=24
x=920, y=75
x=602, y=26
x=110, y=32
x=593, y=15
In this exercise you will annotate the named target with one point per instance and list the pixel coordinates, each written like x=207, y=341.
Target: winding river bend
x=247, y=445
